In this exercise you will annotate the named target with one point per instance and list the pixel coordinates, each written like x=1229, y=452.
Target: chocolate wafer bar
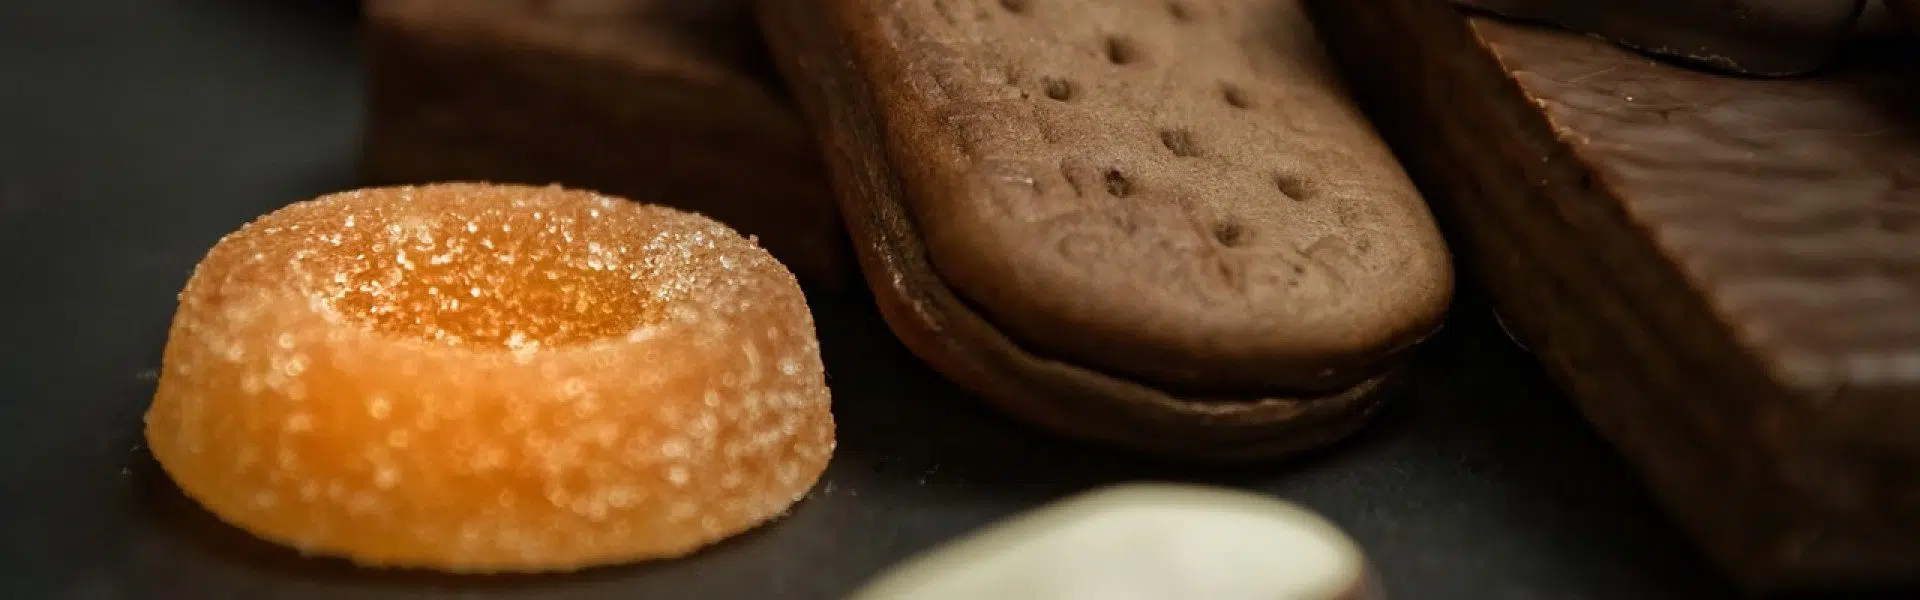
x=1154, y=224
x=1751, y=37
x=1724, y=272
x=661, y=101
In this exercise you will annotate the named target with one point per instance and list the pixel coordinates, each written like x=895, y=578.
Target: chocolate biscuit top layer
x=1792, y=206
x=1173, y=191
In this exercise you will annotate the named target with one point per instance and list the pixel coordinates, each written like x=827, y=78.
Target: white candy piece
x=1141, y=542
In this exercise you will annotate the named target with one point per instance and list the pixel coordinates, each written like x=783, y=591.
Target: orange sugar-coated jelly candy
x=491, y=378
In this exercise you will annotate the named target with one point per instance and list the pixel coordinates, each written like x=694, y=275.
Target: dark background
x=133, y=133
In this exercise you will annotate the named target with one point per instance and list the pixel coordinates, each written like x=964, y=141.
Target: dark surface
x=1725, y=271
x=133, y=133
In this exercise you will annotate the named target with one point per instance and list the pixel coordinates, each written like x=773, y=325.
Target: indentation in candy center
x=484, y=277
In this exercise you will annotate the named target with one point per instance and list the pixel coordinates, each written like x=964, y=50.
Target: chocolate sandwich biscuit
x=661, y=101
x=1724, y=272
x=1161, y=225
x=1755, y=37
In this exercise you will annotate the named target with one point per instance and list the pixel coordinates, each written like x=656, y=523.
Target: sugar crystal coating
x=476, y=377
